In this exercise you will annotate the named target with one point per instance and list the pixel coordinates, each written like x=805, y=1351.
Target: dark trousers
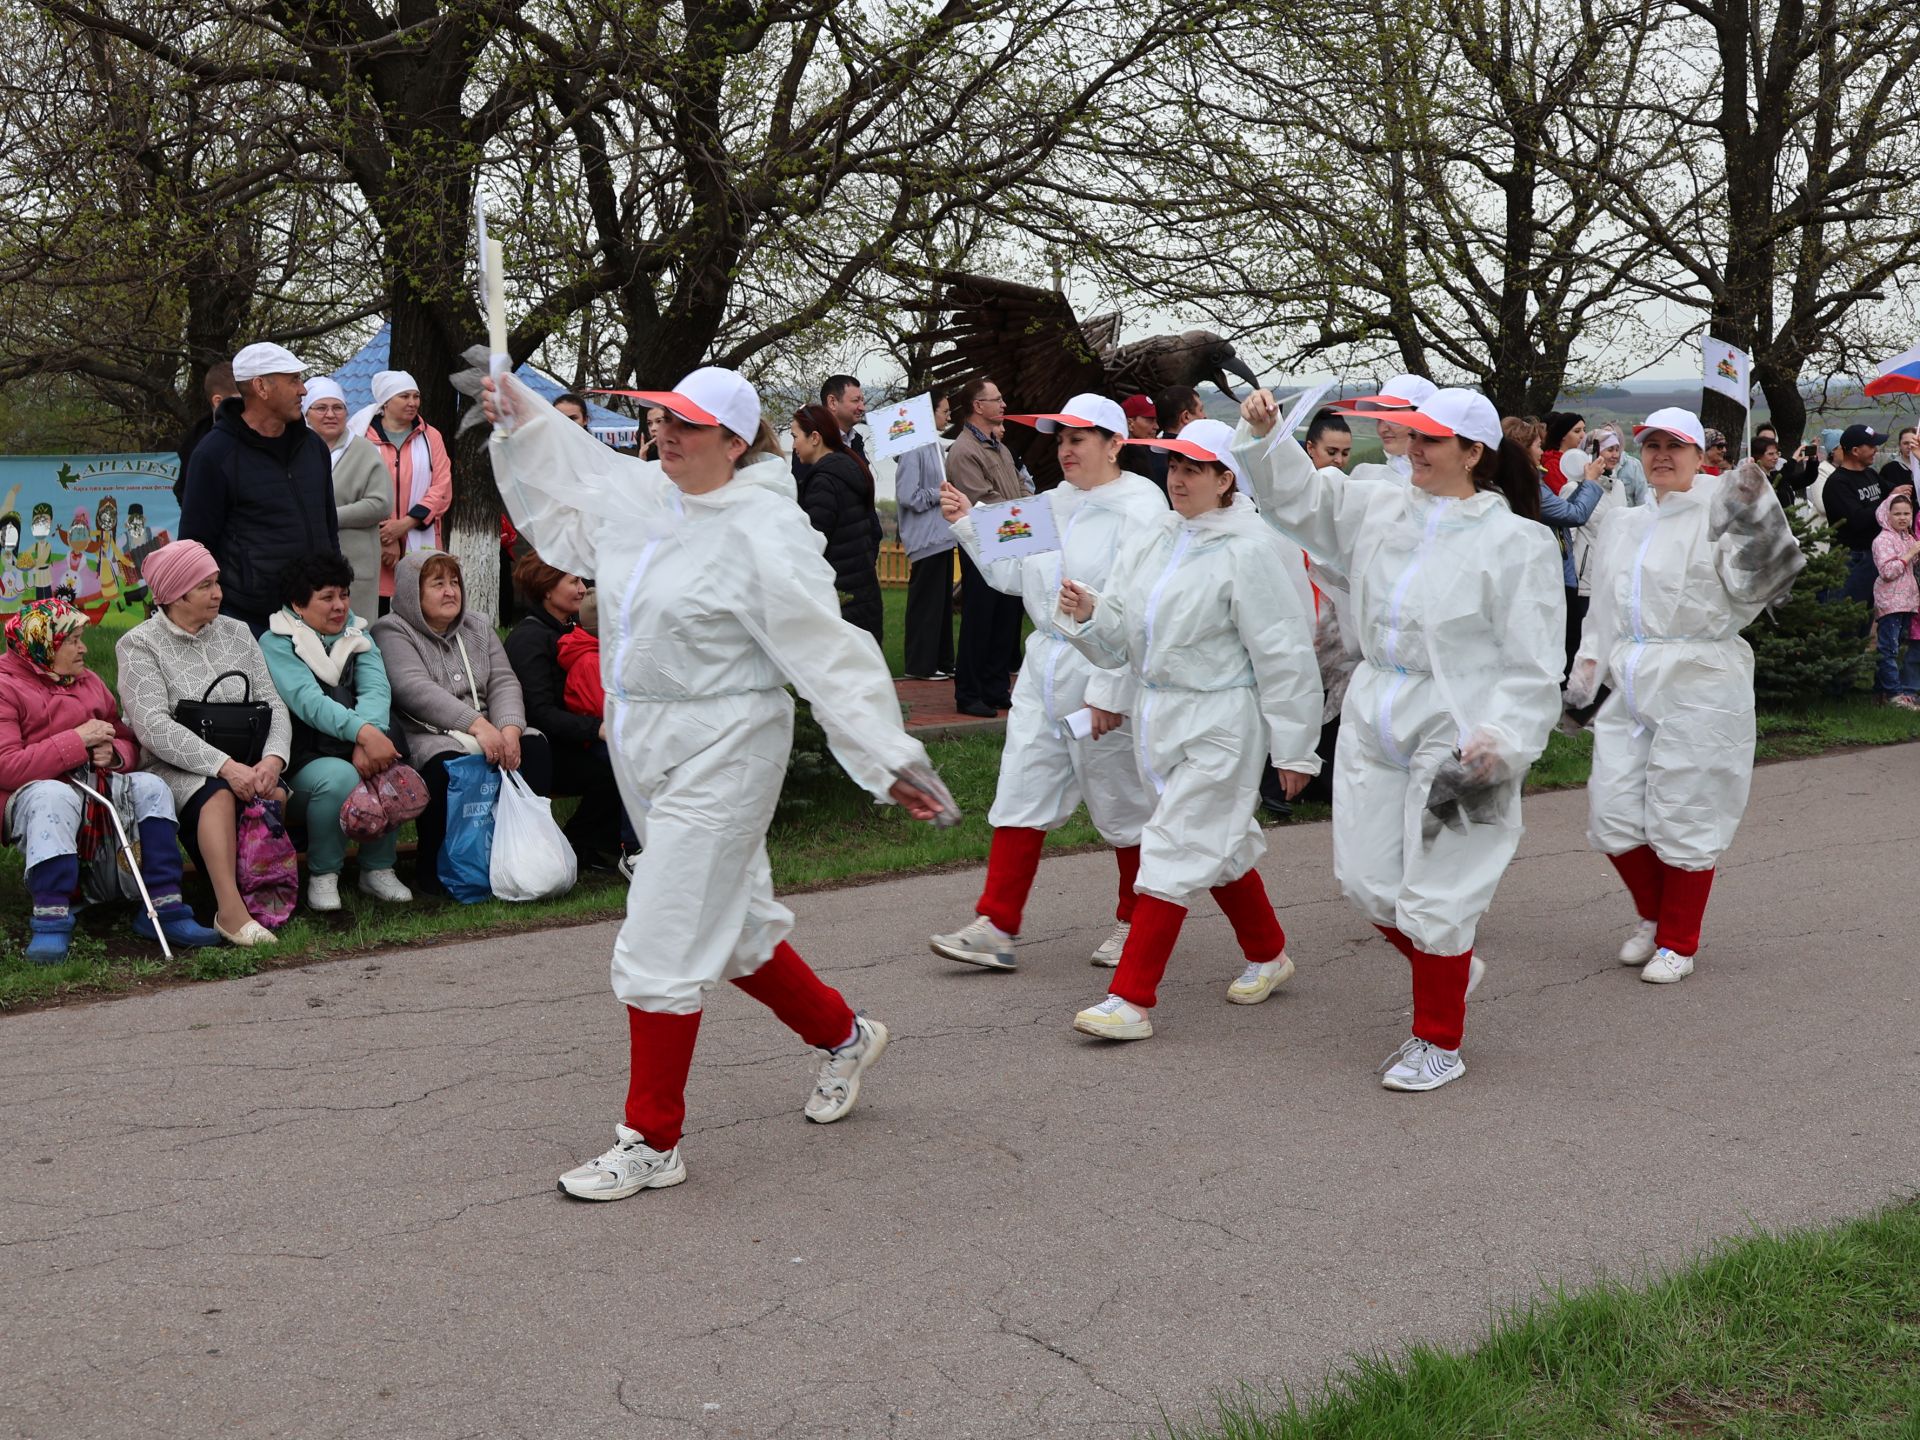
x=599, y=825
x=430, y=829
x=989, y=641
x=1576, y=619
x=929, y=637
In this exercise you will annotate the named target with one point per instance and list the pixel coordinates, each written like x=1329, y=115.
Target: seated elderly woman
x=57, y=720
x=178, y=655
x=453, y=693
x=334, y=684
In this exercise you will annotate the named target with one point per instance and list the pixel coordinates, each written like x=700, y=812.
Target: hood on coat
x=230, y=417
x=406, y=598
x=576, y=645
x=1880, y=514
x=770, y=472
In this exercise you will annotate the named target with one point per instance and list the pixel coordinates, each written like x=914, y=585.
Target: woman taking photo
x=1674, y=583
x=836, y=491
x=1461, y=614
x=716, y=596
x=178, y=655
x=58, y=720
x=1203, y=609
x=1045, y=771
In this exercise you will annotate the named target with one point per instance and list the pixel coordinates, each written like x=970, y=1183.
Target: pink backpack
x=267, y=869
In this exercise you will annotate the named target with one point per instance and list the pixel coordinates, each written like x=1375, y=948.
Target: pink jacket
x=1895, y=592
x=439, y=492
x=37, y=723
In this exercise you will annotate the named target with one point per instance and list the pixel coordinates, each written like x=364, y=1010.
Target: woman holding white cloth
x=1046, y=771
x=1203, y=610
x=714, y=595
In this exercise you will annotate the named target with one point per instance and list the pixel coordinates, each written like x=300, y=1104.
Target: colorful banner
x=1726, y=370
x=85, y=521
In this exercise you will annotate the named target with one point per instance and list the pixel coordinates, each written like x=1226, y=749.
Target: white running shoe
x=628, y=1168
x=323, y=892
x=626, y=865
x=384, y=885
x=1108, y=955
x=979, y=942
x=1260, y=979
x=1476, y=972
x=1666, y=967
x=837, y=1085
x=1419, y=1065
x=1638, y=947
x=1114, y=1019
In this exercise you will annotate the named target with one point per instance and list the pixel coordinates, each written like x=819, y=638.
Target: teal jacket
x=318, y=708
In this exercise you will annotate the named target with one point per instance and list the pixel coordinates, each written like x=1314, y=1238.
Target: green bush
x=1803, y=649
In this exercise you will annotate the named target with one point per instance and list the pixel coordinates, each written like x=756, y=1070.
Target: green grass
x=1805, y=1333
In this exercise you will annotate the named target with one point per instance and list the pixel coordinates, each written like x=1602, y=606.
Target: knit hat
x=174, y=569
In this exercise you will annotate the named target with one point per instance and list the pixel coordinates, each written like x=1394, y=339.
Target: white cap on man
x=710, y=396
x=1463, y=413
x=1208, y=441
x=1082, y=412
x=266, y=359
x=1681, y=424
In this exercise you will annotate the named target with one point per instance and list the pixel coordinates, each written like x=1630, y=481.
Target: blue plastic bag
x=466, y=855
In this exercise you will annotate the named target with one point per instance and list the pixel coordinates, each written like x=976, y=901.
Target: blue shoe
x=51, y=936
x=179, y=927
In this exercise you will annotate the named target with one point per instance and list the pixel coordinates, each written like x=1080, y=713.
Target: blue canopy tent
x=356, y=379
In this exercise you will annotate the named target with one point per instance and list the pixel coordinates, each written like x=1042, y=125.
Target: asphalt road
x=320, y=1202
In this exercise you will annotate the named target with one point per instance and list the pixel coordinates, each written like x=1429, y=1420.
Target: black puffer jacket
x=837, y=500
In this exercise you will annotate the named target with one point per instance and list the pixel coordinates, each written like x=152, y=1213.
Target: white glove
x=1583, y=686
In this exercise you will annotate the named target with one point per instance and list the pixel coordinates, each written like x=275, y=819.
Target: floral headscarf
x=36, y=632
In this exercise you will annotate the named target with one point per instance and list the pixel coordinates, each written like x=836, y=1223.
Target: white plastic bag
x=531, y=858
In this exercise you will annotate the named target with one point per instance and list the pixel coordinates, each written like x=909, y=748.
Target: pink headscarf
x=173, y=570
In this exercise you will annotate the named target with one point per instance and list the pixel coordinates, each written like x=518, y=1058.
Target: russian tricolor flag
x=1899, y=376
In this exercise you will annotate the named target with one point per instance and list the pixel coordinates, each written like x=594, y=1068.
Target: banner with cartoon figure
x=85, y=521
x=1015, y=529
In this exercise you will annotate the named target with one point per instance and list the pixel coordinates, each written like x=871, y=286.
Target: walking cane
x=133, y=862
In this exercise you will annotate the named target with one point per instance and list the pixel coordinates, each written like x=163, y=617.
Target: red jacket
x=580, y=659
x=37, y=723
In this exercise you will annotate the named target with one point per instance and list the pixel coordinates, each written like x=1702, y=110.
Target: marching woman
x=1045, y=770
x=1213, y=617
x=1460, y=611
x=1402, y=392
x=715, y=597
x=1674, y=583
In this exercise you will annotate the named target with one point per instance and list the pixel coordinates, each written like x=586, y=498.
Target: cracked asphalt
x=320, y=1202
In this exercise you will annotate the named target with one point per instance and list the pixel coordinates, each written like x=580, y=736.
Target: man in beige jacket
x=982, y=469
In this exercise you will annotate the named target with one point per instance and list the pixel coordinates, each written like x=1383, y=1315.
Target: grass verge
x=1806, y=1333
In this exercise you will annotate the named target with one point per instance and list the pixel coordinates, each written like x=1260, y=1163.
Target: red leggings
x=1439, y=991
x=660, y=1045
x=1014, y=859
x=1156, y=926
x=1675, y=899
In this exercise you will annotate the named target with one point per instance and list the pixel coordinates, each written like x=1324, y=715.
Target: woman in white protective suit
x=1402, y=392
x=1674, y=583
x=714, y=594
x=1458, y=602
x=1045, y=770
x=1213, y=618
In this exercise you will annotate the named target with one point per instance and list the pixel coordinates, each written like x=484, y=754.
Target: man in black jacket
x=1853, y=492
x=259, y=488
x=218, y=386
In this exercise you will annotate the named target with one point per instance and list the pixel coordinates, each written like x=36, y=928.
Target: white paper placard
x=903, y=427
x=1015, y=529
x=1300, y=412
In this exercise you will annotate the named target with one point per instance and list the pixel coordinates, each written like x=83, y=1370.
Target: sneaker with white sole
x=1476, y=972
x=1666, y=967
x=1114, y=1019
x=1638, y=947
x=323, y=892
x=1107, y=955
x=837, y=1085
x=384, y=885
x=628, y=1168
x=1260, y=979
x=979, y=942
x=1420, y=1065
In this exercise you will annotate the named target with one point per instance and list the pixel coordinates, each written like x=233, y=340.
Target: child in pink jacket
x=1896, y=601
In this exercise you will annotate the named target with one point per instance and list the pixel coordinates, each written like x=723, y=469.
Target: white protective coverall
x=1220, y=640
x=1675, y=581
x=1044, y=771
x=709, y=605
x=1462, y=622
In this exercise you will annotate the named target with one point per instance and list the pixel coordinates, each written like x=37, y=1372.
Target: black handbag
x=236, y=728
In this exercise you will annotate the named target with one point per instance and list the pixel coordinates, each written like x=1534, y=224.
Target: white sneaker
x=626, y=864
x=837, y=1085
x=384, y=885
x=979, y=942
x=1476, y=972
x=1108, y=955
x=627, y=1169
x=1638, y=947
x=1114, y=1019
x=1666, y=967
x=1260, y=979
x=323, y=892
x=1418, y=1065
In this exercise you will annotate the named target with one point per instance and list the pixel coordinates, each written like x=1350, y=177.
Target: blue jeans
x=1896, y=673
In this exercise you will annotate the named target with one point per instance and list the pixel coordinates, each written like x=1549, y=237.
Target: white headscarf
x=386, y=385
x=321, y=388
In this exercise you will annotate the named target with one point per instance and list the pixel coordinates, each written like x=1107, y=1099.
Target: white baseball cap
x=1205, y=440
x=1402, y=392
x=265, y=359
x=1082, y=412
x=709, y=396
x=1681, y=424
x=1464, y=413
